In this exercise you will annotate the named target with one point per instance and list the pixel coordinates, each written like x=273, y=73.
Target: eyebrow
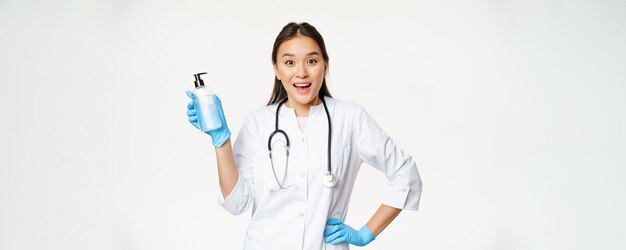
x=309, y=54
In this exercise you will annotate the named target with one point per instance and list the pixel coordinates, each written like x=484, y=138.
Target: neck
x=302, y=110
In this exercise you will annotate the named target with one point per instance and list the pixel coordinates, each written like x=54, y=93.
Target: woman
x=297, y=203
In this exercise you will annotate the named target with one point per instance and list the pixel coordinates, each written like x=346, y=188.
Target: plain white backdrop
x=514, y=110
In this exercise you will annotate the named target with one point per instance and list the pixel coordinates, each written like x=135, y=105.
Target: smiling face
x=301, y=69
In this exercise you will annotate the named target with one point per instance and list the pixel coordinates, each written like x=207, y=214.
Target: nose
x=302, y=72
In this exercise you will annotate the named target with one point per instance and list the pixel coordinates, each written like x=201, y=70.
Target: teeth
x=302, y=85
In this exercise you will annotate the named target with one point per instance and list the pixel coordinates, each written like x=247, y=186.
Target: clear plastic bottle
x=208, y=115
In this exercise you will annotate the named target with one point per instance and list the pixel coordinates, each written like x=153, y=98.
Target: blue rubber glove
x=340, y=232
x=220, y=135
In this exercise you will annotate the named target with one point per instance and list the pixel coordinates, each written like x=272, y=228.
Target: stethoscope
x=329, y=179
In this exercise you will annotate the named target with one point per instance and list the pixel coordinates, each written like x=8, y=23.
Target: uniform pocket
x=341, y=246
x=342, y=161
x=274, y=169
x=269, y=183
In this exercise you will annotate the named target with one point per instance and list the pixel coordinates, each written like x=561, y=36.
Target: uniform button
x=302, y=139
x=301, y=215
x=404, y=190
x=303, y=175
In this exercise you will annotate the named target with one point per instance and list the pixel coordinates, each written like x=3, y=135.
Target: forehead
x=299, y=46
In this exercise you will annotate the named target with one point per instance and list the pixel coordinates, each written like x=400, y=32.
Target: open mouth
x=302, y=85
x=302, y=88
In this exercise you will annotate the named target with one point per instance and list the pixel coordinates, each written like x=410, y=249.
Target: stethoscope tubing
x=329, y=175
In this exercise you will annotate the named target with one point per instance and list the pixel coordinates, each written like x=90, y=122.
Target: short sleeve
x=378, y=150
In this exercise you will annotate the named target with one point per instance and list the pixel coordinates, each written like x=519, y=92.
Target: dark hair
x=290, y=31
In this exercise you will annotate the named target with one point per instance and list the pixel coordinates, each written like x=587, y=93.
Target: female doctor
x=295, y=161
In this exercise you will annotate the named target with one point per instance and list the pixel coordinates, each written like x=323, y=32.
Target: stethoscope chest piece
x=329, y=179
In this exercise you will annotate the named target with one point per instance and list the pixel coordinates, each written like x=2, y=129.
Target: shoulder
x=256, y=120
x=264, y=111
x=260, y=114
x=346, y=108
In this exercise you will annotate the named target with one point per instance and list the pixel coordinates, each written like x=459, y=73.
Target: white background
x=514, y=110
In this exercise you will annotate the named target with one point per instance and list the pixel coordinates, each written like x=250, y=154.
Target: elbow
x=239, y=198
x=237, y=208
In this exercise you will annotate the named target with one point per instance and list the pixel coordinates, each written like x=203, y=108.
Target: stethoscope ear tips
x=329, y=179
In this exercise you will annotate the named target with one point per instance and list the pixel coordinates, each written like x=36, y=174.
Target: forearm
x=382, y=218
x=226, y=168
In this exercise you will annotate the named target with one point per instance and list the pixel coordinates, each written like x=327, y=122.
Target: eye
x=289, y=62
x=312, y=61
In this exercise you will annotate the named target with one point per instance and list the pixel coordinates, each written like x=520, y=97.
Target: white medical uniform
x=295, y=218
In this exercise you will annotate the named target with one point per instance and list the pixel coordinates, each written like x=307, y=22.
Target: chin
x=304, y=99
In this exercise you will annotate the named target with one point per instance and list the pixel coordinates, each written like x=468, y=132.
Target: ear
x=276, y=71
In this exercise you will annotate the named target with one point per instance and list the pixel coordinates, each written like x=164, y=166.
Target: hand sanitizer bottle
x=208, y=115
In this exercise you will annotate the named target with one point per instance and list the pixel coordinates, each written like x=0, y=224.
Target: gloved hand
x=340, y=232
x=220, y=135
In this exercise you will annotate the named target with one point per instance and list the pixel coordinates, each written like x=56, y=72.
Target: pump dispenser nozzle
x=198, y=82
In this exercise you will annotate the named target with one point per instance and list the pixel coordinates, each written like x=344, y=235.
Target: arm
x=378, y=150
x=405, y=185
x=382, y=218
x=234, y=163
x=226, y=168
x=236, y=177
